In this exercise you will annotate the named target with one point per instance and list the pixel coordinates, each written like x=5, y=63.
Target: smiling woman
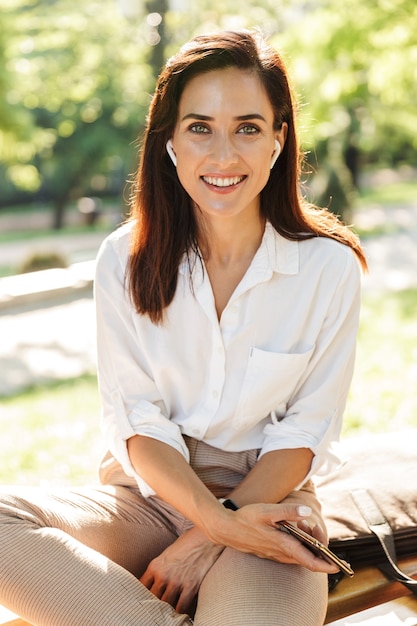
x=227, y=312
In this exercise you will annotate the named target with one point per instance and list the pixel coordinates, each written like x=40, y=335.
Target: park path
x=392, y=257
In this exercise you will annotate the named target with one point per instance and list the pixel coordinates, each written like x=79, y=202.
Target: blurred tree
x=156, y=13
x=191, y=17
x=81, y=79
x=5, y=109
x=357, y=65
x=14, y=121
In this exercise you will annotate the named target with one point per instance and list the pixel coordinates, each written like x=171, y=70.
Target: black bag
x=370, y=504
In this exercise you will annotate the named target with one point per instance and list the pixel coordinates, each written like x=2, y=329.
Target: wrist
x=224, y=523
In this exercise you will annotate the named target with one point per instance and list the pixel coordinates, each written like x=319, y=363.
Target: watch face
x=229, y=504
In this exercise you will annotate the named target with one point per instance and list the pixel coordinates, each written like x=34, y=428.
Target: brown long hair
x=164, y=223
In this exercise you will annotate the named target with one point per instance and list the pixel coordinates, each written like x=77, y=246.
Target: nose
x=223, y=150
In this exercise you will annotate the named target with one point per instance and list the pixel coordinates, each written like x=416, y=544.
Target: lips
x=229, y=181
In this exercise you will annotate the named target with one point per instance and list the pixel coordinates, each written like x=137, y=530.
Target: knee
x=15, y=508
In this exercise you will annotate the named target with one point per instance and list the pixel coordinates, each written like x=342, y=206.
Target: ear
x=276, y=153
x=171, y=152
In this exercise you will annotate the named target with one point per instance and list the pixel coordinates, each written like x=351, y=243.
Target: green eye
x=199, y=129
x=248, y=129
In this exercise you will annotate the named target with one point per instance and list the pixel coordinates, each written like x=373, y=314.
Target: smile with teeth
x=223, y=182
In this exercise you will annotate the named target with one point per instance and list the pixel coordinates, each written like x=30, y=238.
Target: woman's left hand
x=176, y=574
x=254, y=529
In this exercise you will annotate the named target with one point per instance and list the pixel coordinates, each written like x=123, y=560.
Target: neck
x=227, y=242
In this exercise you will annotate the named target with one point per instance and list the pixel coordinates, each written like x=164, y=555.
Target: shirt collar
x=275, y=253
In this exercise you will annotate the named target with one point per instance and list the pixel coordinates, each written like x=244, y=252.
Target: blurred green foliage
x=356, y=66
x=75, y=79
x=78, y=85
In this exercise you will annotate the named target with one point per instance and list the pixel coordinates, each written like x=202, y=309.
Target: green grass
x=32, y=235
x=7, y=270
x=383, y=394
x=50, y=434
x=390, y=194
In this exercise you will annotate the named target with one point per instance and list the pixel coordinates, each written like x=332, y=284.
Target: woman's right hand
x=253, y=529
x=176, y=574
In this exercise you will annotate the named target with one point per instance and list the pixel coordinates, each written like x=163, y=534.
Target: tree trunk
x=59, y=212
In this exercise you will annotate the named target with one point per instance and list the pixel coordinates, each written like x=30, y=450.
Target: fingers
x=319, y=533
x=290, y=512
x=157, y=588
x=316, y=531
x=279, y=545
x=301, y=515
x=297, y=552
x=171, y=595
x=179, y=598
x=186, y=602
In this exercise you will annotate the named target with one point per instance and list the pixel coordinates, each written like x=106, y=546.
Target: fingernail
x=303, y=510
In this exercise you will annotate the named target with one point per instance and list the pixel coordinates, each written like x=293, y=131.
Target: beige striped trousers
x=72, y=557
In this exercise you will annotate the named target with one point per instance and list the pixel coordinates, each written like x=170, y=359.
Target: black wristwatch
x=229, y=504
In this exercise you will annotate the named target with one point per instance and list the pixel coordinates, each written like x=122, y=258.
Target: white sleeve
x=131, y=403
x=313, y=415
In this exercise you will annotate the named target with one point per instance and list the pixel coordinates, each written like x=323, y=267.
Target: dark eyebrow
x=251, y=116
x=197, y=116
x=239, y=118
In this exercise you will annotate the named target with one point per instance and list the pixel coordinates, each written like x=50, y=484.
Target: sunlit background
x=75, y=82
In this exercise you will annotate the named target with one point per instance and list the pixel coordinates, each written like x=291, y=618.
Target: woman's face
x=224, y=141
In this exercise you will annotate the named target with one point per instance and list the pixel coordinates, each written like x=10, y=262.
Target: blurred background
x=75, y=82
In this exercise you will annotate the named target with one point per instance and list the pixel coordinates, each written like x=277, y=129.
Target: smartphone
x=316, y=546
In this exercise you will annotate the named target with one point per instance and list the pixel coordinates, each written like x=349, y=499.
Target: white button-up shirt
x=274, y=373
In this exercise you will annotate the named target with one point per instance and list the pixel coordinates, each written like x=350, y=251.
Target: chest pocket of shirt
x=268, y=384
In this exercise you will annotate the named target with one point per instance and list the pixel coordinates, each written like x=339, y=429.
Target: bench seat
x=398, y=611
x=368, y=588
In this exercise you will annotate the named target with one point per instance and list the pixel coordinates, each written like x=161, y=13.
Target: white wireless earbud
x=276, y=154
x=171, y=152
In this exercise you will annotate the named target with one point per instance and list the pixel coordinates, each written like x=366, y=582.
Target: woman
x=227, y=312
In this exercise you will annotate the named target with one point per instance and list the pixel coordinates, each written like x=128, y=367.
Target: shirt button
x=215, y=393
x=196, y=432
